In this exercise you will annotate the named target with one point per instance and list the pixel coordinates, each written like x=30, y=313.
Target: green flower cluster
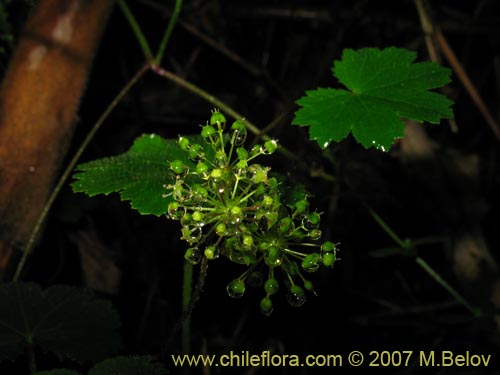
x=229, y=205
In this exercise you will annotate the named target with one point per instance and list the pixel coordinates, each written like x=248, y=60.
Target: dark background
x=365, y=302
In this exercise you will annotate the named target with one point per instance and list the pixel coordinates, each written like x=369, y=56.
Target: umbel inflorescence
x=230, y=205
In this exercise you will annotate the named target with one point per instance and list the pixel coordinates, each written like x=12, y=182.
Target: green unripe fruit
x=242, y=153
x=221, y=229
x=314, y=234
x=198, y=216
x=216, y=173
x=255, y=150
x=272, y=183
x=308, y=286
x=311, y=262
x=193, y=255
x=199, y=191
x=314, y=218
x=271, y=286
x=211, y=252
x=301, y=206
x=201, y=169
x=242, y=164
x=186, y=219
x=235, y=210
x=328, y=246
x=270, y=146
x=184, y=143
x=177, y=166
x=220, y=156
x=196, y=152
x=296, y=296
x=266, y=306
x=272, y=257
x=239, y=132
x=329, y=259
x=174, y=211
x=286, y=225
x=247, y=241
x=217, y=118
x=259, y=173
x=236, y=288
x=207, y=132
x=267, y=201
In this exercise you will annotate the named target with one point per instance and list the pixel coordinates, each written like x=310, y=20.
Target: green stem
x=67, y=172
x=187, y=289
x=388, y=230
x=141, y=38
x=422, y=263
x=168, y=32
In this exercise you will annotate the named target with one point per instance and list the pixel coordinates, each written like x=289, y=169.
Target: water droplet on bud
x=236, y=288
x=296, y=296
x=193, y=255
x=266, y=306
x=271, y=286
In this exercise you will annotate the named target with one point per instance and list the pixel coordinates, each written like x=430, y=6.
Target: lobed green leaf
x=139, y=175
x=64, y=320
x=384, y=86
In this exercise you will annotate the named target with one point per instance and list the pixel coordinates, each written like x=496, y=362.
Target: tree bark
x=39, y=98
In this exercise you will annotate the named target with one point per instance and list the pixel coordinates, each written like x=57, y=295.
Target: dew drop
x=236, y=288
x=266, y=306
x=193, y=255
x=255, y=279
x=296, y=296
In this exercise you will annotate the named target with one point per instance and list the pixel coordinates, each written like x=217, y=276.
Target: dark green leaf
x=61, y=319
x=139, y=175
x=384, y=86
x=128, y=366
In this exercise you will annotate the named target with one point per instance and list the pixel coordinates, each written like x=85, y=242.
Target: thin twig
x=141, y=38
x=168, y=32
x=469, y=86
x=217, y=103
